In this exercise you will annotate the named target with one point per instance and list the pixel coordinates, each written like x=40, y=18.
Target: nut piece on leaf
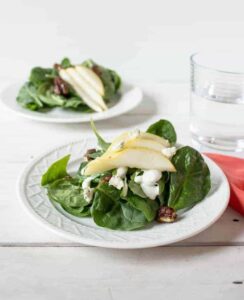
x=87, y=154
x=166, y=215
x=60, y=87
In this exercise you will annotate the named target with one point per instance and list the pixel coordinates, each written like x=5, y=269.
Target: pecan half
x=166, y=215
x=106, y=178
x=88, y=152
x=60, y=87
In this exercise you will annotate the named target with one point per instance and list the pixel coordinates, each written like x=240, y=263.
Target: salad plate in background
x=68, y=93
x=140, y=190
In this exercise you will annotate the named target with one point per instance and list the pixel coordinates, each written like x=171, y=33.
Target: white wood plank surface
x=103, y=274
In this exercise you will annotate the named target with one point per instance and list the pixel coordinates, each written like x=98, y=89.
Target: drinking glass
x=217, y=100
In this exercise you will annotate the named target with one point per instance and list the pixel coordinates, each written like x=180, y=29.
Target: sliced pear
x=140, y=158
x=129, y=136
x=144, y=143
x=91, y=78
x=88, y=99
x=84, y=85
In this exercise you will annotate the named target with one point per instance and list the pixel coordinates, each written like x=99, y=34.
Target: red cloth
x=233, y=168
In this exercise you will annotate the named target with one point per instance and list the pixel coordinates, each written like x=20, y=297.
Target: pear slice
x=86, y=87
x=91, y=78
x=127, y=137
x=88, y=99
x=140, y=158
x=144, y=143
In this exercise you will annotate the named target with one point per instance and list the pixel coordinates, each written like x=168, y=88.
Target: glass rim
x=194, y=62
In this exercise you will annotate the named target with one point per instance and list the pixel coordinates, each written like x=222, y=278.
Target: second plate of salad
x=69, y=93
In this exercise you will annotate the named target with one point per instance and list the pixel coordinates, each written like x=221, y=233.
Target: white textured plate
x=130, y=98
x=84, y=230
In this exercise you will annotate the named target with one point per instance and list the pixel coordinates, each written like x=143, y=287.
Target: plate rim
x=20, y=184
x=95, y=116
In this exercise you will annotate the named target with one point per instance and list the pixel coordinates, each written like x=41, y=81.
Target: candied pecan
x=60, y=86
x=96, y=70
x=88, y=152
x=166, y=215
x=57, y=67
x=106, y=178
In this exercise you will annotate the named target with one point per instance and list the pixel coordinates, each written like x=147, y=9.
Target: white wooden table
x=37, y=264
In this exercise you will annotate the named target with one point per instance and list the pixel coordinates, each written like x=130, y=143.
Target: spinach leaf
x=101, y=142
x=52, y=100
x=56, y=171
x=66, y=63
x=191, y=182
x=108, y=211
x=68, y=193
x=163, y=188
x=40, y=75
x=80, y=212
x=136, y=189
x=148, y=207
x=28, y=97
x=164, y=129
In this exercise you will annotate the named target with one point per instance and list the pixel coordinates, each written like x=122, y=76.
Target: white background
x=145, y=40
x=148, y=42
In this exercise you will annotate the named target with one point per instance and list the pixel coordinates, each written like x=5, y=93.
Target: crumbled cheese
x=118, y=180
x=87, y=190
x=169, y=152
x=133, y=134
x=121, y=172
x=148, y=181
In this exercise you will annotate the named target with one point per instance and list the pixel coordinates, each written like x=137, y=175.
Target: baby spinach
x=107, y=212
x=66, y=63
x=69, y=194
x=136, y=189
x=101, y=142
x=164, y=129
x=56, y=171
x=191, y=182
x=28, y=97
x=146, y=206
x=40, y=75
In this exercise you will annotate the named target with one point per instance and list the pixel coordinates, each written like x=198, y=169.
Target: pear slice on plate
x=137, y=139
x=141, y=158
x=91, y=78
x=86, y=87
x=83, y=89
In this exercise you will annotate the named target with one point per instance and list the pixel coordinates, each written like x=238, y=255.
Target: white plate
x=130, y=98
x=84, y=230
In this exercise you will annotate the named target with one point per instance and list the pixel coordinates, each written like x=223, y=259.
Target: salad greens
x=129, y=208
x=46, y=88
x=164, y=129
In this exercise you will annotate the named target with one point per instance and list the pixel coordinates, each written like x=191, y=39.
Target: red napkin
x=233, y=168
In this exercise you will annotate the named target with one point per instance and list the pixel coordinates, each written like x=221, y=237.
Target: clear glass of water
x=217, y=100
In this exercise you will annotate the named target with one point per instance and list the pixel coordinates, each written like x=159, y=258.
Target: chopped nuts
x=60, y=87
x=96, y=70
x=88, y=152
x=106, y=178
x=166, y=215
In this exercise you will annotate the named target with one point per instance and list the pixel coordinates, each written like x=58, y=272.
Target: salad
x=87, y=87
x=129, y=183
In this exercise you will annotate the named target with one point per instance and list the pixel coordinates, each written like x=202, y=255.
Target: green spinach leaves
x=191, y=182
x=118, y=210
x=164, y=129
